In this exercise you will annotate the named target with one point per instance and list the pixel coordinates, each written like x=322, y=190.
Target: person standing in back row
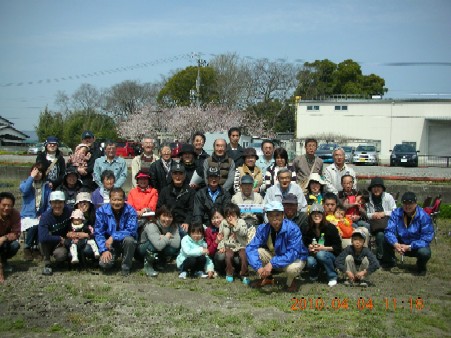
x=307, y=164
x=234, y=150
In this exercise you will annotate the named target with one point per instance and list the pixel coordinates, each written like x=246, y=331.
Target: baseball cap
x=51, y=139
x=213, y=171
x=87, y=134
x=247, y=179
x=290, y=199
x=359, y=232
x=409, y=197
x=273, y=206
x=57, y=196
x=315, y=207
x=142, y=174
x=178, y=168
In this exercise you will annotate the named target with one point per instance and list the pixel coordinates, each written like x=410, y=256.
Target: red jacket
x=210, y=238
x=140, y=199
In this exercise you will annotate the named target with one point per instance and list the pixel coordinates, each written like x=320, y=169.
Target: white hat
x=83, y=196
x=317, y=178
x=77, y=214
x=57, y=196
x=273, y=206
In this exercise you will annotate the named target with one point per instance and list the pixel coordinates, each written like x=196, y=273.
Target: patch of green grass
x=56, y=327
x=7, y=324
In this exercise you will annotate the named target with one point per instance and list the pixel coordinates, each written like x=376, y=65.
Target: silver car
x=349, y=151
x=365, y=154
x=39, y=147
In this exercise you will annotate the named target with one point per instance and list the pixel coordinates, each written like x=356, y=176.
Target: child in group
x=80, y=157
x=343, y=224
x=354, y=202
x=213, y=237
x=233, y=242
x=80, y=236
x=193, y=257
x=315, y=187
x=356, y=260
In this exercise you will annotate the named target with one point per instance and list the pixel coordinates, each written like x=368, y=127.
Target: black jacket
x=203, y=204
x=60, y=167
x=340, y=261
x=158, y=176
x=331, y=237
x=236, y=155
x=180, y=200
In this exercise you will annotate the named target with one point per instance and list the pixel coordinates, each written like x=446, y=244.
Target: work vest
x=223, y=166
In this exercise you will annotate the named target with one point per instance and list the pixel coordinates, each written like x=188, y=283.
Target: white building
x=424, y=123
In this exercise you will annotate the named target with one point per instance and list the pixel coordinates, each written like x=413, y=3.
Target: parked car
x=39, y=147
x=325, y=152
x=365, y=154
x=126, y=148
x=35, y=149
x=349, y=152
x=258, y=148
x=404, y=155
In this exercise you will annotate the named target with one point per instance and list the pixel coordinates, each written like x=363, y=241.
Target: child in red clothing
x=213, y=237
x=343, y=223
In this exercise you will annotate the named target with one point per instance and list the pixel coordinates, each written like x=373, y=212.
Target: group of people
x=213, y=215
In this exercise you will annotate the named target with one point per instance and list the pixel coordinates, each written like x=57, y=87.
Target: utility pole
x=196, y=93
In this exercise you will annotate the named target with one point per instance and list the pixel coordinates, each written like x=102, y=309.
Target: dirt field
x=87, y=302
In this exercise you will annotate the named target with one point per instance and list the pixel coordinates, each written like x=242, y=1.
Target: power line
x=102, y=72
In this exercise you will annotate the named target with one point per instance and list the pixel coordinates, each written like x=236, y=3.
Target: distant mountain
x=33, y=136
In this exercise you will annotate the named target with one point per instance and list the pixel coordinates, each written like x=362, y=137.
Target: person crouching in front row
x=277, y=245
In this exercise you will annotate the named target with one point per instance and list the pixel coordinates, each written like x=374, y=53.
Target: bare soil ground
x=88, y=302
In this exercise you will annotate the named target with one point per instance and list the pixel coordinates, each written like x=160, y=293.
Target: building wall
x=389, y=121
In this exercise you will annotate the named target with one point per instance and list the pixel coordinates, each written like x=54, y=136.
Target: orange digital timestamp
x=361, y=304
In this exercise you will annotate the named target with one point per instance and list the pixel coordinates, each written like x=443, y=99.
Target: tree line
x=206, y=97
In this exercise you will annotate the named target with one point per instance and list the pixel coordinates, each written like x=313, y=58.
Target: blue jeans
x=327, y=260
x=9, y=249
x=422, y=254
x=31, y=237
x=168, y=250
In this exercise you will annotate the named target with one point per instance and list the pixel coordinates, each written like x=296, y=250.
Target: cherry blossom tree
x=182, y=122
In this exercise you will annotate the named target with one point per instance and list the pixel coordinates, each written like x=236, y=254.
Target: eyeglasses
x=52, y=144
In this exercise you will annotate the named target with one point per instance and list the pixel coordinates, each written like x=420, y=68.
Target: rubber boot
x=149, y=261
x=74, y=254
x=94, y=248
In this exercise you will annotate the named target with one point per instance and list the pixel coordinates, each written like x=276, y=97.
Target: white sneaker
x=74, y=260
x=332, y=283
x=183, y=275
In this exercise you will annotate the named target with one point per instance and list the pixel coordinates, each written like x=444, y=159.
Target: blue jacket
x=106, y=225
x=29, y=199
x=288, y=246
x=51, y=228
x=191, y=248
x=418, y=234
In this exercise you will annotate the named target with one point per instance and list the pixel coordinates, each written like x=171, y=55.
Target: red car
x=127, y=148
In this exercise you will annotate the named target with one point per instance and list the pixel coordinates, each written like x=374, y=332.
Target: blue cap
x=51, y=139
x=87, y=134
x=273, y=206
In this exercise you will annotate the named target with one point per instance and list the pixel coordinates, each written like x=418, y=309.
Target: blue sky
x=54, y=39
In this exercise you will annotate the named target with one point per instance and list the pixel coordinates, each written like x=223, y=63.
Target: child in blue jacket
x=193, y=257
